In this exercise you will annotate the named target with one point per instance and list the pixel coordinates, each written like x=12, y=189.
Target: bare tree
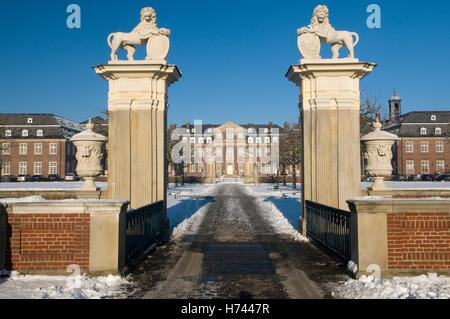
x=368, y=113
x=290, y=149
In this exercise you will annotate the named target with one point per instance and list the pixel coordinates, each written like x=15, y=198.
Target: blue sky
x=233, y=55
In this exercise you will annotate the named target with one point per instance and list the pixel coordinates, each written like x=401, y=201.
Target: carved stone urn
x=89, y=156
x=378, y=155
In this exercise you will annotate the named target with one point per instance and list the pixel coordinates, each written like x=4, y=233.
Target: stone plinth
x=329, y=107
x=137, y=107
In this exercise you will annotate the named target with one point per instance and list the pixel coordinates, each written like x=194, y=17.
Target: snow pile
x=190, y=225
x=274, y=216
x=352, y=267
x=60, y=287
x=429, y=286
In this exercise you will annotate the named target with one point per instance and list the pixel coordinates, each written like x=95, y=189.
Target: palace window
x=30, y=120
x=258, y=140
x=267, y=140
x=8, y=133
x=6, y=169
x=439, y=147
x=53, y=148
x=433, y=117
x=275, y=139
x=53, y=169
x=250, y=140
x=37, y=168
x=24, y=132
x=23, y=148
x=423, y=131
x=209, y=140
x=410, y=167
x=22, y=168
x=409, y=147
x=438, y=131
x=424, y=147
x=425, y=167
x=6, y=148
x=440, y=167
x=38, y=148
x=40, y=133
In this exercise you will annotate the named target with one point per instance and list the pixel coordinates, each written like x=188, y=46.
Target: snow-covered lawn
x=16, y=286
x=186, y=205
x=429, y=286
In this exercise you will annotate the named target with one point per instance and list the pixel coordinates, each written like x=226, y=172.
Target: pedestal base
x=378, y=185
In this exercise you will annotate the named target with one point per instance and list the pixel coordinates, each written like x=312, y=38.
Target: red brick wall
x=418, y=241
x=47, y=242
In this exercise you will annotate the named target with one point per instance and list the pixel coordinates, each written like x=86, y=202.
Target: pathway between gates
x=236, y=254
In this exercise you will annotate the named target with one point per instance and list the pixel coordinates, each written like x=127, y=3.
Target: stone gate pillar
x=329, y=107
x=137, y=109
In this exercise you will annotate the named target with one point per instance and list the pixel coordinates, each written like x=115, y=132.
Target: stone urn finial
x=89, y=155
x=378, y=154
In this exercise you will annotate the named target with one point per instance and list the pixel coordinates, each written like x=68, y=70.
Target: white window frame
x=25, y=133
x=433, y=117
x=40, y=133
x=23, y=148
x=8, y=133
x=52, y=169
x=439, y=147
x=424, y=146
x=440, y=166
x=6, y=169
x=409, y=147
x=38, y=150
x=409, y=167
x=55, y=148
x=6, y=148
x=438, y=131
x=425, y=164
x=423, y=131
x=30, y=120
x=37, y=168
x=23, y=168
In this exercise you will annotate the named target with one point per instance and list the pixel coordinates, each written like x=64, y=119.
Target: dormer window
x=193, y=130
x=30, y=120
x=266, y=130
x=249, y=130
x=423, y=131
x=40, y=133
x=433, y=117
x=24, y=132
x=8, y=133
x=438, y=131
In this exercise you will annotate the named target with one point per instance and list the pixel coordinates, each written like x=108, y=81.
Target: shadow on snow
x=289, y=207
x=185, y=209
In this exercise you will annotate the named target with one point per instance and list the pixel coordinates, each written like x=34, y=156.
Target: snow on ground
x=17, y=286
x=281, y=212
x=186, y=212
x=429, y=286
x=46, y=186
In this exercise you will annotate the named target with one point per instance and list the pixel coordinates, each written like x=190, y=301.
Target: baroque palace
x=246, y=152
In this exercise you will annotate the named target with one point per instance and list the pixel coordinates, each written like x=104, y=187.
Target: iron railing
x=330, y=227
x=143, y=228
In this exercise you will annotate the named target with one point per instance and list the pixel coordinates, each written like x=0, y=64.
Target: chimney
x=173, y=127
x=188, y=126
x=270, y=125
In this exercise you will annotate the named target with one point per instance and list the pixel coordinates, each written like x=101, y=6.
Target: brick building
x=37, y=144
x=424, y=140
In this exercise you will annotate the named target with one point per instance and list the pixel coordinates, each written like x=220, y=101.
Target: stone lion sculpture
x=321, y=27
x=142, y=35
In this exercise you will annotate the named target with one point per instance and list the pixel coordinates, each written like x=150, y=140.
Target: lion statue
x=320, y=26
x=140, y=35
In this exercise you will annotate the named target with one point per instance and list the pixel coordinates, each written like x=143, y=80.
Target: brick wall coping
x=374, y=204
x=78, y=206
